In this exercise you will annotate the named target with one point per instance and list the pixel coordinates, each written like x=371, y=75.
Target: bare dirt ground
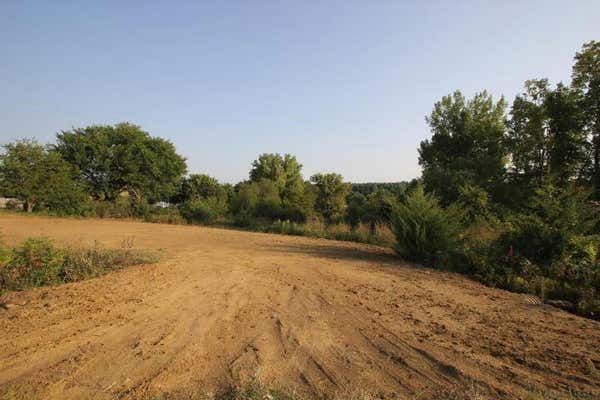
x=315, y=316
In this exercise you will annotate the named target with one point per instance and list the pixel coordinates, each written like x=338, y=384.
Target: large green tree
x=201, y=186
x=122, y=158
x=331, y=191
x=286, y=175
x=586, y=79
x=284, y=171
x=568, y=150
x=466, y=146
x=380, y=208
x=356, y=208
x=545, y=139
x=39, y=177
x=528, y=134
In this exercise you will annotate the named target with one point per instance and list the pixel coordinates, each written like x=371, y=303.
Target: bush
x=576, y=275
x=34, y=263
x=204, y=211
x=425, y=232
x=122, y=207
x=37, y=262
x=551, y=251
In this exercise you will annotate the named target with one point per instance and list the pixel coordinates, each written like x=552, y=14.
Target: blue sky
x=343, y=85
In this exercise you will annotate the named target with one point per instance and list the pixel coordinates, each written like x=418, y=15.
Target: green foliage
x=546, y=138
x=269, y=203
x=466, y=146
x=282, y=192
x=4, y=254
x=380, y=208
x=356, y=208
x=425, y=232
x=203, y=211
x=396, y=188
x=122, y=158
x=568, y=149
x=527, y=140
x=331, y=191
x=586, y=80
x=549, y=250
x=39, y=177
x=475, y=205
x=284, y=172
x=37, y=262
x=243, y=203
x=201, y=186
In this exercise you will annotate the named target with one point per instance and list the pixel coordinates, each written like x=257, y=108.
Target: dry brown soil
x=313, y=316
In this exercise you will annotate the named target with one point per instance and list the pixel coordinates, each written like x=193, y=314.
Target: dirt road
x=318, y=317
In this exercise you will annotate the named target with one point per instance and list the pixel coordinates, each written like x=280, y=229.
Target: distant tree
x=586, y=79
x=466, y=146
x=203, y=210
x=284, y=171
x=528, y=134
x=202, y=199
x=545, y=139
x=286, y=175
x=356, y=208
x=331, y=193
x=244, y=200
x=39, y=177
x=380, y=208
x=568, y=151
x=269, y=202
x=114, y=159
x=201, y=186
x=396, y=188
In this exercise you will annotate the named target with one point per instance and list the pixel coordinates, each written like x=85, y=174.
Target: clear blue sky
x=343, y=85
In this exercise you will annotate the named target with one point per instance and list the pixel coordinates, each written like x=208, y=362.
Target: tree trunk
x=29, y=204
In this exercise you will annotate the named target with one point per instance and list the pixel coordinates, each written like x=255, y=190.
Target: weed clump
x=38, y=262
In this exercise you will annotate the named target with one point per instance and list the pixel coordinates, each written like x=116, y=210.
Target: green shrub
x=37, y=262
x=577, y=274
x=425, y=232
x=549, y=251
x=202, y=211
x=122, y=207
x=4, y=254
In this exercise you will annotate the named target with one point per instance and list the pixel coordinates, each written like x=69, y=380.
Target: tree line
x=508, y=194
x=122, y=170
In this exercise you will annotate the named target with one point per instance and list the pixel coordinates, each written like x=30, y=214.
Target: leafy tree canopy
x=586, y=79
x=39, y=177
x=466, y=146
x=331, y=191
x=113, y=159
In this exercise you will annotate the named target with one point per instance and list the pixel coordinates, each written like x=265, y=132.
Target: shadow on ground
x=330, y=251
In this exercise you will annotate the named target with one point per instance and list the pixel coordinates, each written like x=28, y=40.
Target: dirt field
x=318, y=317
